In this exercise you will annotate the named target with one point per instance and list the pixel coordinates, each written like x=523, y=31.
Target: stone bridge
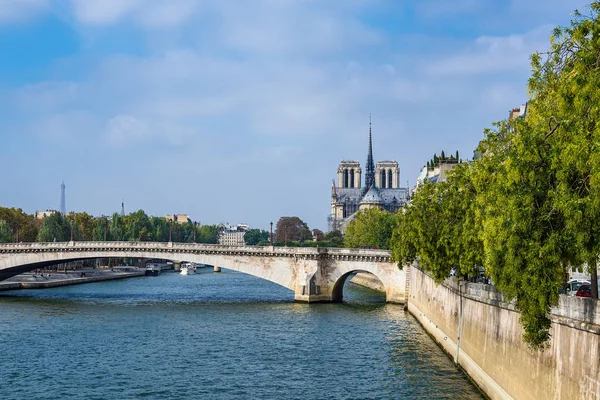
x=314, y=274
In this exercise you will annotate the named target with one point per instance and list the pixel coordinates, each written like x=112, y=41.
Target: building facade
x=178, y=218
x=381, y=189
x=232, y=235
x=44, y=214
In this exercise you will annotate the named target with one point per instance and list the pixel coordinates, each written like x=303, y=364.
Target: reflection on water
x=217, y=336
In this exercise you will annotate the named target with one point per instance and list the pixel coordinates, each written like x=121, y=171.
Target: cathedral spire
x=370, y=171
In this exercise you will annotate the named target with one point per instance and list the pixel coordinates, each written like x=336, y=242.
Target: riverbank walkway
x=55, y=279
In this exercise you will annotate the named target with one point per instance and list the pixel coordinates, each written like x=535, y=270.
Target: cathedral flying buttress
x=381, y=189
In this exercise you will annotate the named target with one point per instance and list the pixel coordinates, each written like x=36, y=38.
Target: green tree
x=254, y=236
x=565, y=106
x=85, y=225
x=187, y=232
x=304, y=234
x=6, y=235
x=419, y=232
x=372, y=227
x=24, y=226
x=138, y=226
x=100, y=227
x=291, y=229
x=55, y=227
x=208, y=234
x=116, y=228
x=441, y=227
x=159, y=228
x=332, y=239
x=536, y=187
x=318, y=234
x=542, y=207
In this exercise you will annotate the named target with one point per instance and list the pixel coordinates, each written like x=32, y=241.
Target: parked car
x=573, y=285
x=584, y=290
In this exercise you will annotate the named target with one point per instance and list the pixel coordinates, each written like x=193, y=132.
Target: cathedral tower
x=370, y=169
x=349, y=174
x=387, y=175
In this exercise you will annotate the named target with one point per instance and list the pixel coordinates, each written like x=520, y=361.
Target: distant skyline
x=240, y=111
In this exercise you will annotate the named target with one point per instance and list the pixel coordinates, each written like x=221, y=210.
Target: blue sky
x=240, y=110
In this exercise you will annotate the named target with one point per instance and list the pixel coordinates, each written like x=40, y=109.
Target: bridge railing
x=115, y=245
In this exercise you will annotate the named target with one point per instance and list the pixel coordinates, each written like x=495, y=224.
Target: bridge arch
x=19, y=269
x=337, y=291
x=279, y=267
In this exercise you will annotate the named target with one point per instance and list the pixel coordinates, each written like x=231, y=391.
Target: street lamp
x=170, y=231
x=195, y=224
x=271, y=237
x=72, y=222
x=105, y=227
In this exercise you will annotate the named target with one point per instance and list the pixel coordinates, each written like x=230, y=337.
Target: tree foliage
x=55, y=228
x=85, y=225
x=565, y=85
x=136, y=226
x=6, y=235
x=291, y=229
x=254, y=236
x=24, y=226
x=208, y=234
x=372, y=227
x=99, y=228
x=529, y=207
x=441, y=227
x=318, y=234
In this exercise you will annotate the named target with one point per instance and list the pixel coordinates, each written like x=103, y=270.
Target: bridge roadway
x=314, y=274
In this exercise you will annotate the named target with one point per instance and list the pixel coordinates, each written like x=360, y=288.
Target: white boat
x=153, y=269
x=187, y=269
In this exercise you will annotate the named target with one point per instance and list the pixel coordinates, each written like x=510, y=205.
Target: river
x=215, y=336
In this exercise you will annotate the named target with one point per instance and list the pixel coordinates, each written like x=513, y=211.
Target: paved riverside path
x=55, y=279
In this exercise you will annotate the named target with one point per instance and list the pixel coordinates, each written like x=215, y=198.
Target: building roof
x=372, y=197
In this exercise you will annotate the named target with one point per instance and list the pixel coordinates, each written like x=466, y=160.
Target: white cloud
x=126, y=130
x=104, y=12
x=293, y=29
x=270, y=86
x=17, y=10
x=492, y=54
x=64, y=127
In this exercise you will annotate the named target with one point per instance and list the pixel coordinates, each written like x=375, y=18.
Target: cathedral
x=381, y=189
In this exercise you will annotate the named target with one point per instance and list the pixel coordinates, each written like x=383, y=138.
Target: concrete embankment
x=481, y=331
x=368, y=280
x=50, y=280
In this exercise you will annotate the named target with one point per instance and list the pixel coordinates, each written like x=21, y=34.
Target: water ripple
x=215, y=336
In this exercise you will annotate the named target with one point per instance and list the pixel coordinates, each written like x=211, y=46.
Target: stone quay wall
x=56, y=280
x=482, y=333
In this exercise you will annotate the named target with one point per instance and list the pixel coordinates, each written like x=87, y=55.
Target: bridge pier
x=309, y=290
x=304, y=294
x=216, y=269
